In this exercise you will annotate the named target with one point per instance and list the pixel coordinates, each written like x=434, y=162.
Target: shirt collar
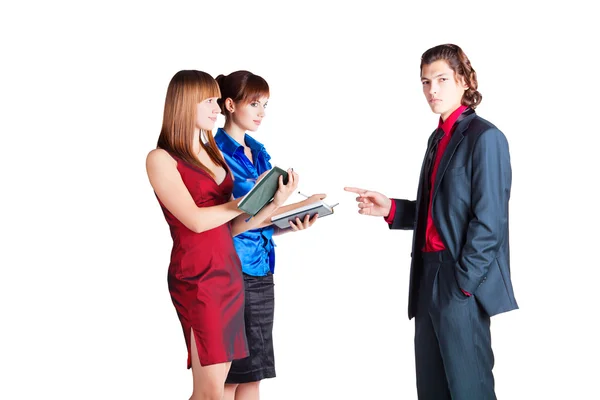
x=254, y=144
x=229, y=145
x=226, y=143
x=449, y=122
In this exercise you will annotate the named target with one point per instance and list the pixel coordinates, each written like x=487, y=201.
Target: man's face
x=441, y=88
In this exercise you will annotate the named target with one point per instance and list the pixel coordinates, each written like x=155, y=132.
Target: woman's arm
x=171, y=191
x=299, y=224
x=312, y=199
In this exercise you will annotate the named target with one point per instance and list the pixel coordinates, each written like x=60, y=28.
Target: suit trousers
x=453, y=351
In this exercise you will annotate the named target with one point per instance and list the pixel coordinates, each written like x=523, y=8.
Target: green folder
x=262, y=193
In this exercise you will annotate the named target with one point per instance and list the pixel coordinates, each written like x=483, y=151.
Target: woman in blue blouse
x=244, y=97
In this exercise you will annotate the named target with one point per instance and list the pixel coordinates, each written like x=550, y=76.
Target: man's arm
x=490, y=183
x=402, y=214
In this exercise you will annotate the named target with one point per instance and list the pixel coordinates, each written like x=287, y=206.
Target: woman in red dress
x=193, y=186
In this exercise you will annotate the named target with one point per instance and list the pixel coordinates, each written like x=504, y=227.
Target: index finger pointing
x=355, y=190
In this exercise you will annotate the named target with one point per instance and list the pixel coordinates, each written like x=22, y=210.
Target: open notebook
x=320, y=207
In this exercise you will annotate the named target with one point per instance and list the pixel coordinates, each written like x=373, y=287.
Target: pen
x=302, y=194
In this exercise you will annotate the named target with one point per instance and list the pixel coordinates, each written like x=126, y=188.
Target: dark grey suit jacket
x=470, y=212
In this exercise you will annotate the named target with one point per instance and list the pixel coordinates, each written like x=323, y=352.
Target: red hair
x=242, y=87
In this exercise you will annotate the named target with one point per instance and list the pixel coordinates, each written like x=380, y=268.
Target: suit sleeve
x=404, y=217
x=490, y=191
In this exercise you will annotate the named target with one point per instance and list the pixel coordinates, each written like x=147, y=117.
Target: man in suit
x=460, y=272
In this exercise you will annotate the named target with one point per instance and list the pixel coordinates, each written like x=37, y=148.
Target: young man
x=460, y=273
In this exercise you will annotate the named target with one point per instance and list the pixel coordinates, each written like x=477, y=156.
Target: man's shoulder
x=480, y=125
x=481, y=133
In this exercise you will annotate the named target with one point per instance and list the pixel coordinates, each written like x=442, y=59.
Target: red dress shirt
x=433, y=241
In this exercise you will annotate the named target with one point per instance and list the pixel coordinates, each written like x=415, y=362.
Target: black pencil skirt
x=259, y=310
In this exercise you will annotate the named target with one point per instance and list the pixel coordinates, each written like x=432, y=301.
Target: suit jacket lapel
x=457, y=137
x=420, y=188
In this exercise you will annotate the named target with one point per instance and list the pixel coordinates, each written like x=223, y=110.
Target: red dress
x=205, y=276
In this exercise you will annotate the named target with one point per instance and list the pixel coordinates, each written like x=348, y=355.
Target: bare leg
x=209, y=381
x=230, y=391
x=248, y=391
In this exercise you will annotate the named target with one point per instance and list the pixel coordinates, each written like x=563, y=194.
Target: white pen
x=302, y=194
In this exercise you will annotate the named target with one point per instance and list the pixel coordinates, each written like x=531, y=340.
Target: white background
x=85, y=311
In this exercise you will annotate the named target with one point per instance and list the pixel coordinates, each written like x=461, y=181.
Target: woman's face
x=249, y=116
x=206, y=114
